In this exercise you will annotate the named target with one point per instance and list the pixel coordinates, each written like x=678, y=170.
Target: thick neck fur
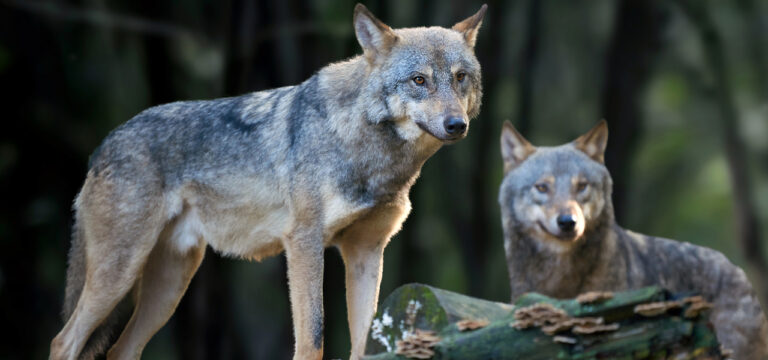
x=383, y=158
x=541, y=266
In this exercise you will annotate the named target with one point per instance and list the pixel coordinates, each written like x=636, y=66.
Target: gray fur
x=199, y=140
x=607, y=257
x=296, y=168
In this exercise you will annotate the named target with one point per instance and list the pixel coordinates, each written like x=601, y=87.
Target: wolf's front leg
x=304, y=251
x=363, y=263
x=362, y=248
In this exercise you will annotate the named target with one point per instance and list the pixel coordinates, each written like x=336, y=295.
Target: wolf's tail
x=103, y=336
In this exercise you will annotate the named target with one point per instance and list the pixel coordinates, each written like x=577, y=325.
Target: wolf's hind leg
x=118, y=240
x=164, y=280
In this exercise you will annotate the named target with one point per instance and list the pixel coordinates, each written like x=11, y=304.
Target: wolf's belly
x=252, y=233
x=246, y=224
x=248, y=233
x=249, y=224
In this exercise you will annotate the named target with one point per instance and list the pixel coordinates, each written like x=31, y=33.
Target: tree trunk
x=745, y=212
x=631, y=53
x=528, y=64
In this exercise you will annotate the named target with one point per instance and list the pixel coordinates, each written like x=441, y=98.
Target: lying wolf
x=561, y=240
x=328, y=162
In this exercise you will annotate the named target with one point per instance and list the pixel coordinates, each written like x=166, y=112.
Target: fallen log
x=419, y=321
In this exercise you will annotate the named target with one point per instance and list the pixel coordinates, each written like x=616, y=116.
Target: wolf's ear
x=376, y=37
x=593, y=143
x=470, y=25
x=514, y=148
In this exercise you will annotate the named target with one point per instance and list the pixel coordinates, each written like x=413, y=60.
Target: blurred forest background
x=683, y=85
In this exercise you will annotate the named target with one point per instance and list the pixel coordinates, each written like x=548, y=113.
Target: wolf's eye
x=542, y=188
x=419, y=80
x=580, y=187
x=460, y=76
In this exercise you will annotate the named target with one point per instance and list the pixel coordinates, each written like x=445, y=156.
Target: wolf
x=561, y=240
x=296, y=169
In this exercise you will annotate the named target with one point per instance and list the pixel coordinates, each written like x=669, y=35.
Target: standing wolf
x=561, y=240
x=295, y=169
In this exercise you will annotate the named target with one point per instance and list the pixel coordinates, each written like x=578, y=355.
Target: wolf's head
x=427, y=79
x=555, y=194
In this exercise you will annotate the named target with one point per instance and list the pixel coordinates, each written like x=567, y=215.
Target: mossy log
x=416, y=306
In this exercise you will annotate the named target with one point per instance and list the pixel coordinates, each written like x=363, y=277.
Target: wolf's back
x=192, y=139
x=683, y=267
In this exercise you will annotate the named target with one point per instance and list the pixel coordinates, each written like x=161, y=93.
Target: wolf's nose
x=566, y=222
x=455, y=125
